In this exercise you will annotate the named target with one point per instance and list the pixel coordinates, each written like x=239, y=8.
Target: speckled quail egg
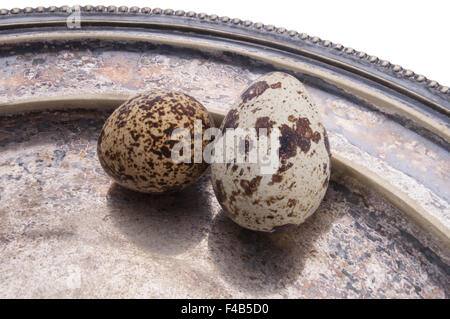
x=135, y=145
x=296, y=187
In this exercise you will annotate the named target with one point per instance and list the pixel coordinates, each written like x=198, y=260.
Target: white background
x=414, y=34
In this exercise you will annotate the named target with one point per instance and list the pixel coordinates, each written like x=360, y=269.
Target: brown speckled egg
x=291, y=193
x=135, y=145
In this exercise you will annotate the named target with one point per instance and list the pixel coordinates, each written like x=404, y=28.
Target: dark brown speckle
x=250, y=186
x=255, y=90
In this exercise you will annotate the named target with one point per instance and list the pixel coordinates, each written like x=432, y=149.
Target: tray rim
x=353, y=86
x=428, y=91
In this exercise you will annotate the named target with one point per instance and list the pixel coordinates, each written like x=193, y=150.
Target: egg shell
x=135, y=146
x=295, y=190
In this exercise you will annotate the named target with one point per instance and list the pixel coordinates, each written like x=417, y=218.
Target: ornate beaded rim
x=385, y=66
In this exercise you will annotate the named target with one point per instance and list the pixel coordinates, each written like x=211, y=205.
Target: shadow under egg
x=167, y=224
x=263, y=263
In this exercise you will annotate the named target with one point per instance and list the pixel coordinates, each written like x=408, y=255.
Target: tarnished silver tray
x=383, y=229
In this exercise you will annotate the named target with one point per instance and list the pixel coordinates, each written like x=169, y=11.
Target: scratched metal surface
x=65, y=230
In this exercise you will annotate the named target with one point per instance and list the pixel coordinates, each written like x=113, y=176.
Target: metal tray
x=383, y=229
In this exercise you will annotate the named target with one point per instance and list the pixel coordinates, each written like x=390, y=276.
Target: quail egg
x=296, y=185
x=136, y=145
